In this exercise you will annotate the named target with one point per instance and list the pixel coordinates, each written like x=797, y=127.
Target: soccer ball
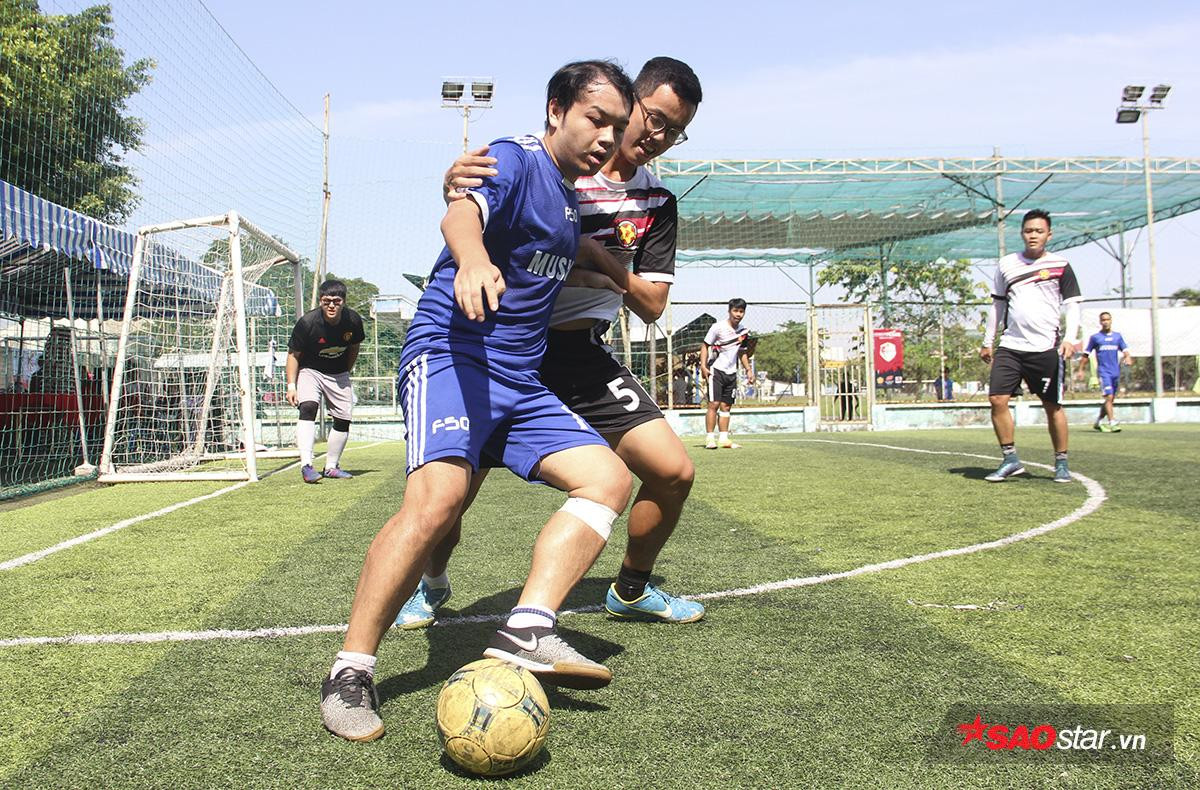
x=492, y=717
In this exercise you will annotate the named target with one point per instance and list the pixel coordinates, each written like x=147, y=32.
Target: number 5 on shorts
x=620, y=392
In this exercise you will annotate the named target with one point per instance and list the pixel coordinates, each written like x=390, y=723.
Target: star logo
x=626, y=234
x=972, y=731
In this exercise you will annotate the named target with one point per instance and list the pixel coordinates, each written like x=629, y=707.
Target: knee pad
x=724, y=414
x=308, y=410
x=597, y=516
x=341, y=425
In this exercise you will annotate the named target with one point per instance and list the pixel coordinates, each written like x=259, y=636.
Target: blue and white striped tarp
x=29, y=225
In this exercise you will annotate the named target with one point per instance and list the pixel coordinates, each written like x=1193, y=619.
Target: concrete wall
x=919, y=416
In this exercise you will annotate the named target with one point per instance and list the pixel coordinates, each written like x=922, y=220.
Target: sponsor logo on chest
x=545, y=264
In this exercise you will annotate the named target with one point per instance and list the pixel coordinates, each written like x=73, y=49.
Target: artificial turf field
x=840, y=683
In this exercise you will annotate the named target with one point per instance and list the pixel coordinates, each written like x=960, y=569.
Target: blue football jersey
x=531, y=233
x=1108, y=348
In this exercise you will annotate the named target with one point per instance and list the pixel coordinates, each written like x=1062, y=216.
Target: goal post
x=209, y=305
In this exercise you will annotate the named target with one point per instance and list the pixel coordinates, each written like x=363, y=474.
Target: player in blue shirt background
x=1111, y=352
x=469, y=386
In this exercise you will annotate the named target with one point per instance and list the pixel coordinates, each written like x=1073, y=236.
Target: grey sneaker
x=546, y=655
x=1061, y=473
x=350, y=707
x=1009, y=467
x=420, y=609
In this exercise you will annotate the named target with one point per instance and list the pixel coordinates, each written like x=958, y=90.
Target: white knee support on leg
x=597, y=516
x=723, y=414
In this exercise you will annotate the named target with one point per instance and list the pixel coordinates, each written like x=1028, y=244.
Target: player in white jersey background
x=1029, y=292
x=723, y=347
x=630, y=218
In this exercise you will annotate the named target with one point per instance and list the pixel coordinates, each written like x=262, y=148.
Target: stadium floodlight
x=1132, y=110
x=1132, y=93
x=452, y=92
x=455, y=95
x=481, y=93
x=1159, y=94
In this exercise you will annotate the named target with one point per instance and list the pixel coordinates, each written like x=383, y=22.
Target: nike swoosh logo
x=530, y=644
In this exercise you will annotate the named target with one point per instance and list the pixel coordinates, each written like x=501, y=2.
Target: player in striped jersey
x=1030, y=290
x=630, y=218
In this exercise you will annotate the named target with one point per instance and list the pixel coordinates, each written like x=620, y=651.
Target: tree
x=63, y=94
x=938, y=287
x=783, y=352
x=1187, y=296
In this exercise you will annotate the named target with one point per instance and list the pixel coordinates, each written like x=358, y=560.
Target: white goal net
x=198, y=380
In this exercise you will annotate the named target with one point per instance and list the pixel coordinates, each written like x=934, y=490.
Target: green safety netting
x=775, y=212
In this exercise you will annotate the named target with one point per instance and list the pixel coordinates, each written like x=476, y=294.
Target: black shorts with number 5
x=1042, y=372
x=584, y=376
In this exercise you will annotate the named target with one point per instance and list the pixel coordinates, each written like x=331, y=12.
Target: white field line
x=32, y=557
x=1096, y=497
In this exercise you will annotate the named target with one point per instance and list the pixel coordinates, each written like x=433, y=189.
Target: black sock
x=1008, y=449
x=1060, y=456
x=631, y=583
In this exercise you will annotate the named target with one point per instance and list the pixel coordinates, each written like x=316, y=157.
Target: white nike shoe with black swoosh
x=544, y=653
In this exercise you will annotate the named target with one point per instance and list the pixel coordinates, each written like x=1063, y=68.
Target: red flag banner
x=889, y=357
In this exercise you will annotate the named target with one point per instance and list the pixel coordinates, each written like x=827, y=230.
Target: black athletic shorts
x=582, y=372
x=1042, y=372
x=722, y=387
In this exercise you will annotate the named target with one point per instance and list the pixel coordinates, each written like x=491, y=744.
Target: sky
x=781, y=80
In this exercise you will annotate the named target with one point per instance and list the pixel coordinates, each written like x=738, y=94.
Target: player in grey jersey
x=630, y=219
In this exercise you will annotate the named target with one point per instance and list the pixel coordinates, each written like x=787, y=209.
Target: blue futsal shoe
x=1061, y=473
x=420, y=609
x=336, y=473
x=1009, y=467
x=309, y=474
x=653, y=605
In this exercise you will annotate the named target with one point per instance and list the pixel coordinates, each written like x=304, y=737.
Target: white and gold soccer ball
x=492, y=717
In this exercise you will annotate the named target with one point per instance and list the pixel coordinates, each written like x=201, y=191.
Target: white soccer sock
x=360, y=661
x=712, y=437
x=539, y=617
x=333, y=452
x=724, y=436
x=437, y=582
x=306, y=434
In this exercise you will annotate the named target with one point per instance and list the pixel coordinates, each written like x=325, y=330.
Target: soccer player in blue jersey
x=631, y=218
x=1111, y=352
x=470, y=386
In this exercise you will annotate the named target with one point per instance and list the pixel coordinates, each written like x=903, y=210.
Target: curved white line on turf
x=32, y=557
x=1096, y=497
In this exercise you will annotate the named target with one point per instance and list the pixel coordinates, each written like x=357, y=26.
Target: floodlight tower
x=1130, y=110
x=456, y=96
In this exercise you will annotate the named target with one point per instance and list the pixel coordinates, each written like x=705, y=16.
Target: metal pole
x=100, y=330
x=319, y=274
x=652, y=348
x=240, y=333
x=466, y=111
x=86, y=467
x=110, y=424
x=999, y=209
x=670, y=358
x=1154, y=334
x=1124, y=266
x=883, y=277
